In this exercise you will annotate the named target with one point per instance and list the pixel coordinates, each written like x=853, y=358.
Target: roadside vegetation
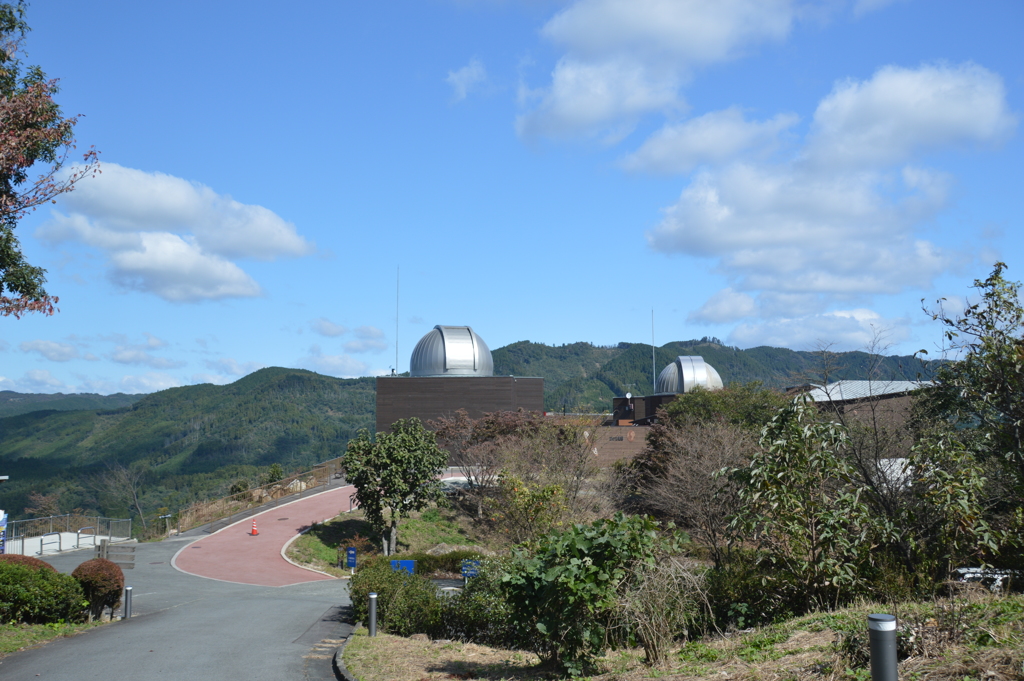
x=750, y=539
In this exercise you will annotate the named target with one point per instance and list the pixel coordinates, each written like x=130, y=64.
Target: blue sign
x=403, y=566
x=470, y=568
x=350, y=557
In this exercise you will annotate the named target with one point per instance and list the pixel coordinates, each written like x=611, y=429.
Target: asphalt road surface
x=190, y=628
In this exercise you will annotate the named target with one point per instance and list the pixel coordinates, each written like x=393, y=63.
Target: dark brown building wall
x=426, y=398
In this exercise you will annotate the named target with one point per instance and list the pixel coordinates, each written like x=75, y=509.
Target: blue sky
x=770, y=172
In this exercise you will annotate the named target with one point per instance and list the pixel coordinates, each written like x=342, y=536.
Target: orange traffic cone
x=254, y=530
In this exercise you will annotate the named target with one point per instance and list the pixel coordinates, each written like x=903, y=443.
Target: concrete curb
x=284, y=552
x=338, y=663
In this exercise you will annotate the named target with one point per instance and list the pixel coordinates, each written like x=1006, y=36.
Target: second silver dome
x=451, y=351
x=686, y=373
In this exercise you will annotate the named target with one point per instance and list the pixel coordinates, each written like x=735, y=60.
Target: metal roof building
x=451, y=351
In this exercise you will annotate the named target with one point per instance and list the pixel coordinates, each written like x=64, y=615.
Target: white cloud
x=365, y=345
x=843, y=329
x=230, y=367
x=625, y=58
x=140, y=354
x=34, y=381
x=216, y=379
x=55, y=352
x=325, y=327
x=341, y=366
x=369, y=333
x=171, y=237
x=901, y=112
x=725, y=306
x=466, y=78
x=715, y=137
x=150, y=382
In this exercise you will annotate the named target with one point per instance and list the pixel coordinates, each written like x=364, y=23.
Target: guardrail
x=43, y=542
x=78, y=536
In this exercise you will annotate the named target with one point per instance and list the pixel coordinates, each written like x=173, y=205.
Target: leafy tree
x=803, y=507
x=34, y=131
x=395, y=474
x=985, y=386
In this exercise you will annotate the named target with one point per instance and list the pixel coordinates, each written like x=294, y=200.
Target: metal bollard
x=127, y=603
x=373, y=614
x=882, y=636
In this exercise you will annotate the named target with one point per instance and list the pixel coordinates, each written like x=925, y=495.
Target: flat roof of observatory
x=451, y=351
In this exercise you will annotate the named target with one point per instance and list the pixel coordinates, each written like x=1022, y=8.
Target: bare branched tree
x=690, y=492
x=123, y=485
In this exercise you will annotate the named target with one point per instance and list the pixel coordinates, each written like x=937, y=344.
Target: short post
x=373, y=614
x=127, y=603
x=882, y=637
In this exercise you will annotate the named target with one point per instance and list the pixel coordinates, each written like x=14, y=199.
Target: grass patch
x=15, y=637
x=318, y=548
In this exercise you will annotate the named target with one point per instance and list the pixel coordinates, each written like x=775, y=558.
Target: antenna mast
x=398, y=288
x=654, y=366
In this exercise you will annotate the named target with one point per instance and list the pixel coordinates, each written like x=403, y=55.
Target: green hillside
x=12, y=403
x=193, y=440
x=584, y=377
x=196, y=440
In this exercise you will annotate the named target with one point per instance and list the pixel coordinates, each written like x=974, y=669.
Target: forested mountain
x=584, y=377
x=191, y=441
x=12, y=403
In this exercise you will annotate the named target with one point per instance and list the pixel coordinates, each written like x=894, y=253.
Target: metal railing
x=20, y=530
x=225, y=510
x=43, y=542
x=78, y=537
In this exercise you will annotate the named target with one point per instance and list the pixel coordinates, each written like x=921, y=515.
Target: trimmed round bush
x=34, y=595
x=27, y=561
x=102, y=582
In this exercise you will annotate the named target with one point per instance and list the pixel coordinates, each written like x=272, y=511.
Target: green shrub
x=480, y=613
x=427, y=564
x=27, y=561
x=37, y=596
x=744, y=594
x=102, y=582
x=406, y=604
x=566, y=588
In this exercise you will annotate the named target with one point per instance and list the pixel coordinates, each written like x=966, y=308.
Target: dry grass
x=393, y=658
x=988, y=647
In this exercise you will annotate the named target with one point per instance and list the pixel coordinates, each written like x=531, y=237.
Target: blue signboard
x=3, y=531
x=350, y=557
x=403, y=566
x=470, y=568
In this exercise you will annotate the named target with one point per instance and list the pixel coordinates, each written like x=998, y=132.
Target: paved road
x=189, y=628
x=233, y=554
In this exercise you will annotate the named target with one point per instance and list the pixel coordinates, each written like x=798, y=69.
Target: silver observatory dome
x=686, y=373
x=451, y=351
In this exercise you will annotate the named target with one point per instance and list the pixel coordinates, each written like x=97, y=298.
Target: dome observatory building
x=678, y=378
x=450, y=369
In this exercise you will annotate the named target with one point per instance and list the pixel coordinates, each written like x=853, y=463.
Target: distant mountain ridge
x=195, y=440
x=582, y=376
x=13, y=403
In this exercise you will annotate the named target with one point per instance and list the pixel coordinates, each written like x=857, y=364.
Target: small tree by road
x=394, y=474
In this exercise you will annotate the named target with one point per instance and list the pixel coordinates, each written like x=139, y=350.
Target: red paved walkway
x=233, y=555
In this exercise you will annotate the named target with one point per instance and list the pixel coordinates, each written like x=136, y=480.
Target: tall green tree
x=395, y=474
x=33, y=133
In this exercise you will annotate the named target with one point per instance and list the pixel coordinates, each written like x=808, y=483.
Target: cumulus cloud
x=625, y=58
x=842, y=329
x=142, y=355
x=465, y=79
x=902, y=112
x=715, y=138
x=55, y=352
x=725, y=306
x=171, y=237
x=325, y=327
x=149, y=382
x=230, y=367
x=341, y=366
